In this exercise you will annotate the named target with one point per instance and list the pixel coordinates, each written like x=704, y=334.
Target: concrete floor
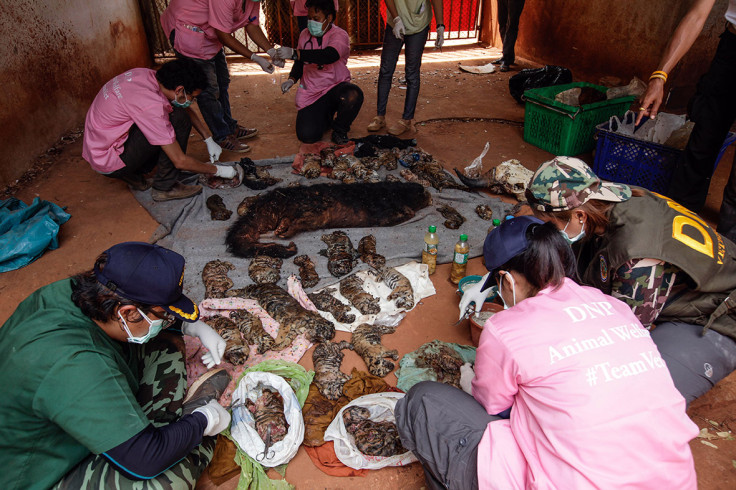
x=457, y=113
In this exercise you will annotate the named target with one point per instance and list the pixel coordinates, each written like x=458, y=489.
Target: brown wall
x=596, y=38
x=56, y=54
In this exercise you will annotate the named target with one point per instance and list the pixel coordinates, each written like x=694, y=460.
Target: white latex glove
x=285, y=53
x=440, y=37
x=275, y=58
x=213, y=149
x=467, y=375
x=263, y=62
x=399, y=29
x=286, y=86
x=474, y=295
x=218, y=419
x=210, y=339
x=225, y=172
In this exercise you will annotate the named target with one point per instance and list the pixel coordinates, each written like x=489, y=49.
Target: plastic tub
x=477, y=322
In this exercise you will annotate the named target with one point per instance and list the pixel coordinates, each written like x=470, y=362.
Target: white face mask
x=513, y=290
x=154, y=328
x=577, y=237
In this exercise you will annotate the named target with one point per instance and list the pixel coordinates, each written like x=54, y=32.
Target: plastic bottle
x=460, y=259
x=494, y=224
x=429, y=253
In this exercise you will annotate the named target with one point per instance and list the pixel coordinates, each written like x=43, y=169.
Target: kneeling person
x=142, y=119
x=325, y=97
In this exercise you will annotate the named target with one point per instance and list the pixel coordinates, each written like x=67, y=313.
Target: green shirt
x=68, y=390
x=415, y=14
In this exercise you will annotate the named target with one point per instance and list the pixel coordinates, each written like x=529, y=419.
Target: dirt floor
x=456, y=114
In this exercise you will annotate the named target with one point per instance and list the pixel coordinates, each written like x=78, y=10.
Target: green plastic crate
x=563, y=129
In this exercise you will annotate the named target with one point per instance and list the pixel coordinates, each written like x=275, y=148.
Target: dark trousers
x=338, y=108
x=442, y=425
x=214, y=101
x=509, y=13
x=713, y=109
x=413, y=50
x=140, y=156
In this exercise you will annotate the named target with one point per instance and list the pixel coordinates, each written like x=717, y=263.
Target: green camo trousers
x=163, y=384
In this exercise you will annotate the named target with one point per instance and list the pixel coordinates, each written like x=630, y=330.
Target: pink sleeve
x=154, y=123
x=342, y=44
x=223, y=14
x=495, y=384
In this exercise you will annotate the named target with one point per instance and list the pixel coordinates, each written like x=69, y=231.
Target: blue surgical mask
x=154, y=328
x=187, y=102
x=513, y=290
x=315, y=28
x=574, y=239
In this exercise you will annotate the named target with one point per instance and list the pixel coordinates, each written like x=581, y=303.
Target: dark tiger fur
x=367, y=343
x=352, y=288
x=264, y=269
x=217, y=208
x=292, y=318
x=307, y=273
x=372, y=438
x=325, y=301
x=443, y=360
x=328, y=377
x=340, y=253
x=368, y=252
x=252, y=329
x=268, y=413
x=401, y=289
x=288, y=211
x=214, y=277
x=236, y=352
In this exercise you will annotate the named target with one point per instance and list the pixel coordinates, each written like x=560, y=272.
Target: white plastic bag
x=243, y=426
x=381, y=406
x=473, y=170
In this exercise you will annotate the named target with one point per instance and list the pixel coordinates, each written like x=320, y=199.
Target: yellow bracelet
x=662, y=72
x=658, y=75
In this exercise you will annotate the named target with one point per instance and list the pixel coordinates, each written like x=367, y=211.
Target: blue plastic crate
x=620, y=158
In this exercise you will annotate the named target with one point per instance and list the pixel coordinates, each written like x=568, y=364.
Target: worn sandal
x=378, y=123
x=243, y=133
x=231, y=143
x=401, y=127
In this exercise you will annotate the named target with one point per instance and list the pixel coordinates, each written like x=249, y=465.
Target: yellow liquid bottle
x=460, y=259
x=429, y=253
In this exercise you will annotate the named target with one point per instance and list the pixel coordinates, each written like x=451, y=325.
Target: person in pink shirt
x=141, y=120
x=198, y=30
x=325, y=97
x=568, y=389
x=299, y=8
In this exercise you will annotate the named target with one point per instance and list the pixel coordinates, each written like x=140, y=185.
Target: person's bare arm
x=258, y=36
x=438, y=12
x=391, y=7
x=198, y=124
x=184, y=162
x=231, y=42
x=685, y=34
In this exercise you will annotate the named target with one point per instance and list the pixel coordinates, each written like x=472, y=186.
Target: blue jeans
x=413, y=59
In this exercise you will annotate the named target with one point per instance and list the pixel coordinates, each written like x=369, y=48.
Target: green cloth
x=415, y=14
x=68, y=390
x=409, y=374
x=252, y=474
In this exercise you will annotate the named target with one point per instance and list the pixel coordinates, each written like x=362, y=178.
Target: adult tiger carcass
x=290, y=210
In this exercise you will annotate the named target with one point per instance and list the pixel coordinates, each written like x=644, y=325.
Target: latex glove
x=225, y=172
x=213, y=149
x=285, y=53
x=399, y=29
x=218, y=419
x=263, y=62
x=440, y=37
x=275, y=58
x=474, y=295
x=286, y=86
x=467, y=375
x=210, y=339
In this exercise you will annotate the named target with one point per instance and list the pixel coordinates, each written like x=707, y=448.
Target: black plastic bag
x=538, y=77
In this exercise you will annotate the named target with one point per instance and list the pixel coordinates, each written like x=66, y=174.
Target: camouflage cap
x=565, y=183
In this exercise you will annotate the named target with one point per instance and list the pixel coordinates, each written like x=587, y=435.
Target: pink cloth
x=195, y=22
x=131, y=97
x=593, y=404
x=316, y=82
x=300, y=8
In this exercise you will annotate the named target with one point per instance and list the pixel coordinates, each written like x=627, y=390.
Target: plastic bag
x=381, y=406
x=27, y=231
x=476, y=166
x=538, y=77
x=243, y=426
x=636, y=87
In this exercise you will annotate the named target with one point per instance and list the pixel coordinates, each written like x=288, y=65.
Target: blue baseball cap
x=505, y=242
x=148, y=274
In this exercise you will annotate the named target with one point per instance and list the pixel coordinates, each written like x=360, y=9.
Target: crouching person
x=325, y=97
x=586, y=388
x=94, y=379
